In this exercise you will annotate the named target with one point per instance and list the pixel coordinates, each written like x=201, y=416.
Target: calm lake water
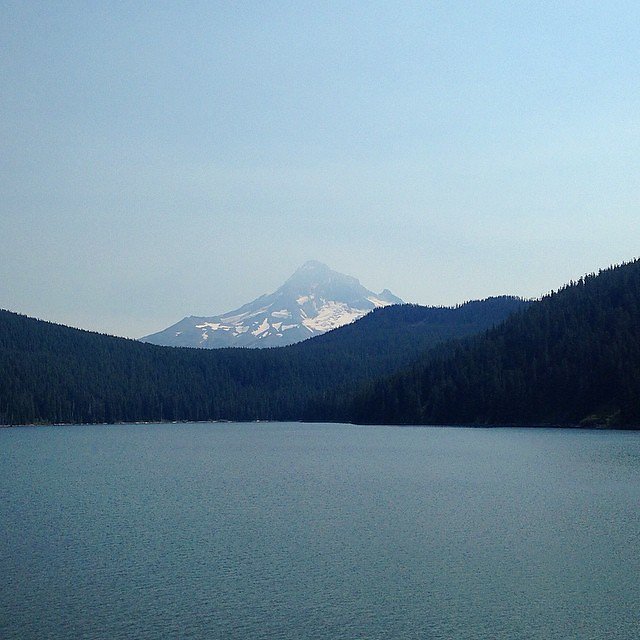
x=318, y=531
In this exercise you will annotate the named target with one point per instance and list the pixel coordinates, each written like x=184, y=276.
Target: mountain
x=572, y=357
x=51, y=373
x=312, y=301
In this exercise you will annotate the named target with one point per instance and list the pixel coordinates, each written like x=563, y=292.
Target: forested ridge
x=572, y=357
x=52, y=373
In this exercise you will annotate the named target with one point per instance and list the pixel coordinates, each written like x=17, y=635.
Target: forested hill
x=52, y=373
x=571, y=358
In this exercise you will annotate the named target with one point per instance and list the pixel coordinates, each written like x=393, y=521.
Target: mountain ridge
x=52, y=373
x=570, y=358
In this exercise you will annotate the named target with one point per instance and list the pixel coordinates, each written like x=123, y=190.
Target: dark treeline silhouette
x=51, y=373
x=572, y=357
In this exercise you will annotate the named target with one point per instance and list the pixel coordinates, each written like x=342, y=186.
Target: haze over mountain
x=314, y=300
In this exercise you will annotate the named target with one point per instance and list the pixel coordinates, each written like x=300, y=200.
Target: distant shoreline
x=580, y=427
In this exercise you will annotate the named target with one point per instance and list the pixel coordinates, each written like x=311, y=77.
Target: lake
x=294, y=531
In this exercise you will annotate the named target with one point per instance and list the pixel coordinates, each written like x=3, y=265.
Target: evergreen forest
x=570, y=358
x=51, y=373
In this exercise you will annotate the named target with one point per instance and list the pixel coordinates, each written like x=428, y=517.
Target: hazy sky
x=163, y=159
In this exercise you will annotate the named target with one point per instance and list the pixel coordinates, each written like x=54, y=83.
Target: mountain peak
x=310, y=271
x=389, y=297
x=313, y=274
x=315, y=299
x=313, y=265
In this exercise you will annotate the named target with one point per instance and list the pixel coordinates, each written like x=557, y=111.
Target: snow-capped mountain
x=312, y=301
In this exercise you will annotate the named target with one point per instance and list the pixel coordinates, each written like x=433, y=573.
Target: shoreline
x=132, y=423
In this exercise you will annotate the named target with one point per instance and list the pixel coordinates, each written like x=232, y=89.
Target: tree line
x=50, y=373
x=570, y=358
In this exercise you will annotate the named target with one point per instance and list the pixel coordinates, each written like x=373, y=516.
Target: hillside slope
x=52, y=373
x=571, y=358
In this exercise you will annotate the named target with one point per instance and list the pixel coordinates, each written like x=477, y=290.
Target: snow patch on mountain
x=332, y=315
x=264, y=326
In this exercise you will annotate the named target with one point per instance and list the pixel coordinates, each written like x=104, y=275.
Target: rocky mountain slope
x=312, y=301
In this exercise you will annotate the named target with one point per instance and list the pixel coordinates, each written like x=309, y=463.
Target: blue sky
x=161, y=159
